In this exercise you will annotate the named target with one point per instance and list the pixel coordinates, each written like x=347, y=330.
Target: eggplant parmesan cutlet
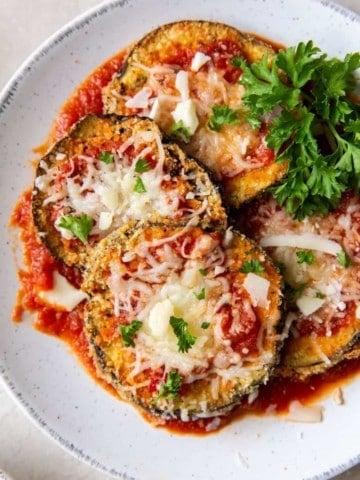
x=109, y=170
x=177, y=320
x=182, y=76
x=319, y=259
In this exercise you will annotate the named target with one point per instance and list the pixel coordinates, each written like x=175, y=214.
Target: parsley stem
x=330, y=137
x=307, y=97
x=334, y=132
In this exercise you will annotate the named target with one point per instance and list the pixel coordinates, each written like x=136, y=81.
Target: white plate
x=42, y=375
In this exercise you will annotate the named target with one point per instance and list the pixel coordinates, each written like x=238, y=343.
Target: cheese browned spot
x=323, y=293
x=110, y=170
x=176, y=75
x=153, y=274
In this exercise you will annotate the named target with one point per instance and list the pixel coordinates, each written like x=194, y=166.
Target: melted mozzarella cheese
x=63, y=295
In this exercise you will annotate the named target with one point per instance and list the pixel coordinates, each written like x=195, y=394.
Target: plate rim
x=7, y=96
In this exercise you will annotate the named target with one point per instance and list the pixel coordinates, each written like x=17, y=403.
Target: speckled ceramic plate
x=40, y=372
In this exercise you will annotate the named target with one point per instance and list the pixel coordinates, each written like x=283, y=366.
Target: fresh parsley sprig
x=181, y=329
x=314, y=123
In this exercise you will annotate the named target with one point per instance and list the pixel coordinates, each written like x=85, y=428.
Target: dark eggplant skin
x=192, y=35
x=88, y=131
x=296, y=363
x=113, y=359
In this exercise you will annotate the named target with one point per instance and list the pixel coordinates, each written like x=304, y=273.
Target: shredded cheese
x=326, y=288
x=188, y=96
x=107, y=192
x=168, y=283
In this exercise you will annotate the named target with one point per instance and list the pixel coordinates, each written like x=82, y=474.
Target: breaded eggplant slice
x=176, y=324
x=181, y=75
x=319, y=258
x=110, y=170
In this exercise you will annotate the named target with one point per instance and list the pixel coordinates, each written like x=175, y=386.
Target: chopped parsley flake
x=343, y=259
x=200, y=295
x=203, y=271
x=142, y=165
x=253, y=266
x=179, y=129
x=106, y=157
x=128, y=332
x=222, y=115
x=305, y=256
x=171, y=388
x=180, y=328
x=139, y=186
x=80, y=227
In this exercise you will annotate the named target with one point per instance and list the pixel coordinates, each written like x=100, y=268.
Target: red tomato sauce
x=87, y=97
x=39, y=267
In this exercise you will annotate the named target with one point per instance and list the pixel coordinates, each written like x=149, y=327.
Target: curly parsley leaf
x=264, y=88
x=185, y=339
x=313, y=123
x=171, y=388
x=300, y=62
x=128, y=332
x=222, y=115
x=142, y=165
x=253, y=266
x=80, y=227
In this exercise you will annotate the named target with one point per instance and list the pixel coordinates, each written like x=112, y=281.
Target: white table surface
x=25, y=452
